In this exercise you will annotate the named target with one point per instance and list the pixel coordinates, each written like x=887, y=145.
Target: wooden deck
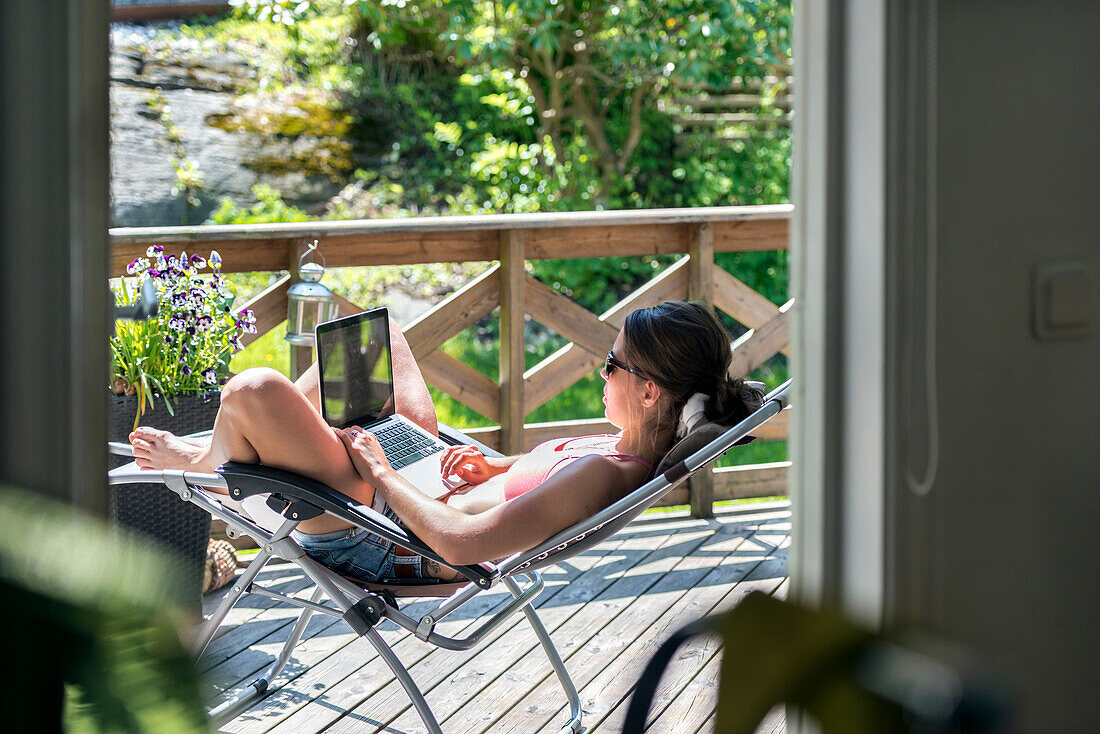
x=606, y=611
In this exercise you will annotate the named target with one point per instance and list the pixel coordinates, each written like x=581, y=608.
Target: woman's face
x=620, y=388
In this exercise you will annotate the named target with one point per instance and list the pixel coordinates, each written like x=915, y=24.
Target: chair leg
x=574, y=724
x=210, y=626
x=403, y=677
x=258, y=688
x=291, y=641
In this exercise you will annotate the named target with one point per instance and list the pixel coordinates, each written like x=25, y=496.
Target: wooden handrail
x=264, y=247
x=510, y=240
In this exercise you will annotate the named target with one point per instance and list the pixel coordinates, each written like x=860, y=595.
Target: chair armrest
x=298, y=497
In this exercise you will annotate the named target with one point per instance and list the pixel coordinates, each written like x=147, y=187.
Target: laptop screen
x=356, y=372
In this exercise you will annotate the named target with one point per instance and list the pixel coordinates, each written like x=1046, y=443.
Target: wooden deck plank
x=339, y=682
x=498, y=661
x=323, y=639
x=607, y=610
x=442, y=663
x=280, y=576
x=613, y=686
x=371, y=676
x=243, y=667
x=610, y=631
x=513, y=687
x=680, y=680
x=254, y=619
x=692, y=709
x=607, y=691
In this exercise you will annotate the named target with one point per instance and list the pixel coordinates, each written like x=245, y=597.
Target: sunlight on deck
x=607, y=610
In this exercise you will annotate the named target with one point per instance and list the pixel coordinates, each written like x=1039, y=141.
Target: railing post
x=701, y=264
x=701, y=288
x=301, y=357
x=512, y=309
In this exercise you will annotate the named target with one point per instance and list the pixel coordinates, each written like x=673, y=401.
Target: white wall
x=988, y=121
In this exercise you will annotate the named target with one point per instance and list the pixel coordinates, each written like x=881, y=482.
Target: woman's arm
x=574, y=493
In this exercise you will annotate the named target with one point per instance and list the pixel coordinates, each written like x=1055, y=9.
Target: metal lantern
x=308, y=301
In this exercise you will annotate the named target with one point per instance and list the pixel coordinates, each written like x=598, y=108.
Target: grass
x=270, y=350
x=717, y=505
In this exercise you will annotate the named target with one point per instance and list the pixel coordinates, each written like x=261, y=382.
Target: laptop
x=353, y=355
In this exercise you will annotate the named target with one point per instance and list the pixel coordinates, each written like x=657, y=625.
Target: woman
x=666, y=358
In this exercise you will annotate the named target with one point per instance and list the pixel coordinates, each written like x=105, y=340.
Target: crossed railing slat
x=589, y=334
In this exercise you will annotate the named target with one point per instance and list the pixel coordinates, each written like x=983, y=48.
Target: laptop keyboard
x=403, y=445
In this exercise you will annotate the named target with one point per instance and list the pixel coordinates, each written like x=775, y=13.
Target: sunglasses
x=612, y=362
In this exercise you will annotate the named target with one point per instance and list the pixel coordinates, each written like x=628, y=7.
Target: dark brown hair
x=683, y=347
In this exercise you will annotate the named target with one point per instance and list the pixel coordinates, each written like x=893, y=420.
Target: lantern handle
x=311, y=248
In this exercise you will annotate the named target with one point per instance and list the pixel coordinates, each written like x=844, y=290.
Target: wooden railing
x=507, y=241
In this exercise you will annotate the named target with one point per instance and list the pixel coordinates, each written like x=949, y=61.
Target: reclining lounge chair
x=267, y=504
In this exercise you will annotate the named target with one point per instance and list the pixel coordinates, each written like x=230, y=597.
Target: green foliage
x=287, y=12
x=592, y=71
x=311, y=52
x=451, y=107
x=92, y=609
x=766, y=271
x=598, y=283
x=269, y=207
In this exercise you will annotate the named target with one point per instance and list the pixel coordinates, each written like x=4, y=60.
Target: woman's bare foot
x=156, y=449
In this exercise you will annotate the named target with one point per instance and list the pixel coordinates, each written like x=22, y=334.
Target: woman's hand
x=468, y=464
x=366, y=454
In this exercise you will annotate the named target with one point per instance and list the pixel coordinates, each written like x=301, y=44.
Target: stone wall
x=185, y=102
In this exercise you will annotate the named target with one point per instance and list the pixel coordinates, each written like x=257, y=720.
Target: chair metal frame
x=276, y=501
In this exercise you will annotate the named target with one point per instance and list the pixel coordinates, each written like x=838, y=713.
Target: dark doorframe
x=54, y=248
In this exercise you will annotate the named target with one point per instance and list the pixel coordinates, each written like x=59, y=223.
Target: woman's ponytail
x=683, y=347
x=734, y=399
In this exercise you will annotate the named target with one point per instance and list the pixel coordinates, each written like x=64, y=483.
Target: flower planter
x=155, y=511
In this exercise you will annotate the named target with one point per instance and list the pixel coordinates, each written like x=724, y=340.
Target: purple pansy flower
x=215, y=260
x=210, y=376
x=154, y=250
x=185, y=370
x=198, y=261
x=177, y=323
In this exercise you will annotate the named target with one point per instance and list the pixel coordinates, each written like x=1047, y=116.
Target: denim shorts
x=362, y=555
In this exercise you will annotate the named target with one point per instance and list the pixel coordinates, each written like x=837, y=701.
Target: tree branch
x=637, y=104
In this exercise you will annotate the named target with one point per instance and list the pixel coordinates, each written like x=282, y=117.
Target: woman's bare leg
x=264, y=418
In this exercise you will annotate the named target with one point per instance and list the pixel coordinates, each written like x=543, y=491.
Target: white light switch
x=1063, y=300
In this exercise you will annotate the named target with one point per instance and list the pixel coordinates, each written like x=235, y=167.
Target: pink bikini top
x=544, y=460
